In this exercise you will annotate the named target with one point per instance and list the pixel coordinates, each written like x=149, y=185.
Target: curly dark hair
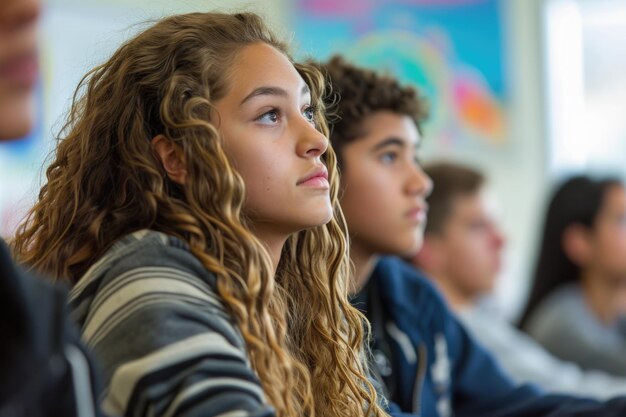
x=354, y=93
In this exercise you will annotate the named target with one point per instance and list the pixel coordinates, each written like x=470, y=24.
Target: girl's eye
x=388, y=157
x=271, y=117
x=309, y=114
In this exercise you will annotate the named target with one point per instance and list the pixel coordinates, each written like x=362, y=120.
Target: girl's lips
x=22, y=69
x=318, y=178
x=316, y=182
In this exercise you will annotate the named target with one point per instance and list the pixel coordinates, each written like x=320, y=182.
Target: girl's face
x=269, y=133
x=608, y=236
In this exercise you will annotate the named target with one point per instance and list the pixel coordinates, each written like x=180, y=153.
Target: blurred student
x=427, y=362
x=577, y=302
x=462, y=255
x=43, y=368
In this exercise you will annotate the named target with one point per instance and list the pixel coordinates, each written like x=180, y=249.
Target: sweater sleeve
x=166, y=343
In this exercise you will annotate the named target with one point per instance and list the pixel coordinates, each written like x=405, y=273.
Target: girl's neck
x=273, y=241
x=364, y=261
x=599, y=295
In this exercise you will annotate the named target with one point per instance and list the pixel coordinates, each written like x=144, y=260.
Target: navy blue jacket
x=432, y=367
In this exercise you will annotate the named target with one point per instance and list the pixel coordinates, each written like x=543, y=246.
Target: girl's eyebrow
x=272, y=91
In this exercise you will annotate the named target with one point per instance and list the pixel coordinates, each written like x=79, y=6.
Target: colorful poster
x=452, y=50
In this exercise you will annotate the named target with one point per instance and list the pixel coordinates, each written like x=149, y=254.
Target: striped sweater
x=150, y=312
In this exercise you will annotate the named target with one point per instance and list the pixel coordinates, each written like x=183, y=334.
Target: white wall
x=521, y=183
x=516, y=168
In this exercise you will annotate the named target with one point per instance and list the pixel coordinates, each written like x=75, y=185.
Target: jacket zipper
x=78, y=367
x=81, y=381
x=422, y=363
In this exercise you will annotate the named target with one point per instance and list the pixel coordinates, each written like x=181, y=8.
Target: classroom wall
x=76, y=35
x=520, y=184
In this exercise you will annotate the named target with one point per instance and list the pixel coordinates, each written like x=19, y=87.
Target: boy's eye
x=388, y=157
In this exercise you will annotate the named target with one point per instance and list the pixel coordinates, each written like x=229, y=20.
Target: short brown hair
x=355, y=93
x=450, y=180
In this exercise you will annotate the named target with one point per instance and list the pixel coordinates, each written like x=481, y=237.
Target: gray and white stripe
x=151, y=314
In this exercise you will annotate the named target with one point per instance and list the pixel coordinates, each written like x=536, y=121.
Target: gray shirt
x=527, y=361
x=564, y=324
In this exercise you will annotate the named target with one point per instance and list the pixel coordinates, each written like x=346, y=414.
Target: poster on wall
x=452, y=50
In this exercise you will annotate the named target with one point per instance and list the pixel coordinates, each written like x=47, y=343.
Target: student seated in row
x=428, y=362
x=192, y=206
x=462, y=255
x=577, y=301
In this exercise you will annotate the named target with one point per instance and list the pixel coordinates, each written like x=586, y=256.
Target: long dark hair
x=577, y=200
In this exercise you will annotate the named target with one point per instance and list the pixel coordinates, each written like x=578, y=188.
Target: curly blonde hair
x=304, y=339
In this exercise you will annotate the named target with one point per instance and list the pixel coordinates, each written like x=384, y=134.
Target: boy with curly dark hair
x=428, y=364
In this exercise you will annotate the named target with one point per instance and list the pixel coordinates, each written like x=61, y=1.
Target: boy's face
x=18, y=66
x=384, y=188
x=470, y=244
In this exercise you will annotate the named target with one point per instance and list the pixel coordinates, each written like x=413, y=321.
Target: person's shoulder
x=558, y=316
x=397, y=270
x=149, y=277
x=24, y=295
x=403, y=277
x=563, y=305
x=408, y=289
x=154, y=249
x=145, y=262
x=147, y=250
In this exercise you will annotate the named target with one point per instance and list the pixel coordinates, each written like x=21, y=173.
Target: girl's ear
x=576, y=243
x=171, y=159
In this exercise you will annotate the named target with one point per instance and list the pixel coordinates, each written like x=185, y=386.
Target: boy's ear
x=576, y=244
x=171, y=159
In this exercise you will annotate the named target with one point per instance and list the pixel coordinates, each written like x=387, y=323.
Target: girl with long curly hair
x=192, y=206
